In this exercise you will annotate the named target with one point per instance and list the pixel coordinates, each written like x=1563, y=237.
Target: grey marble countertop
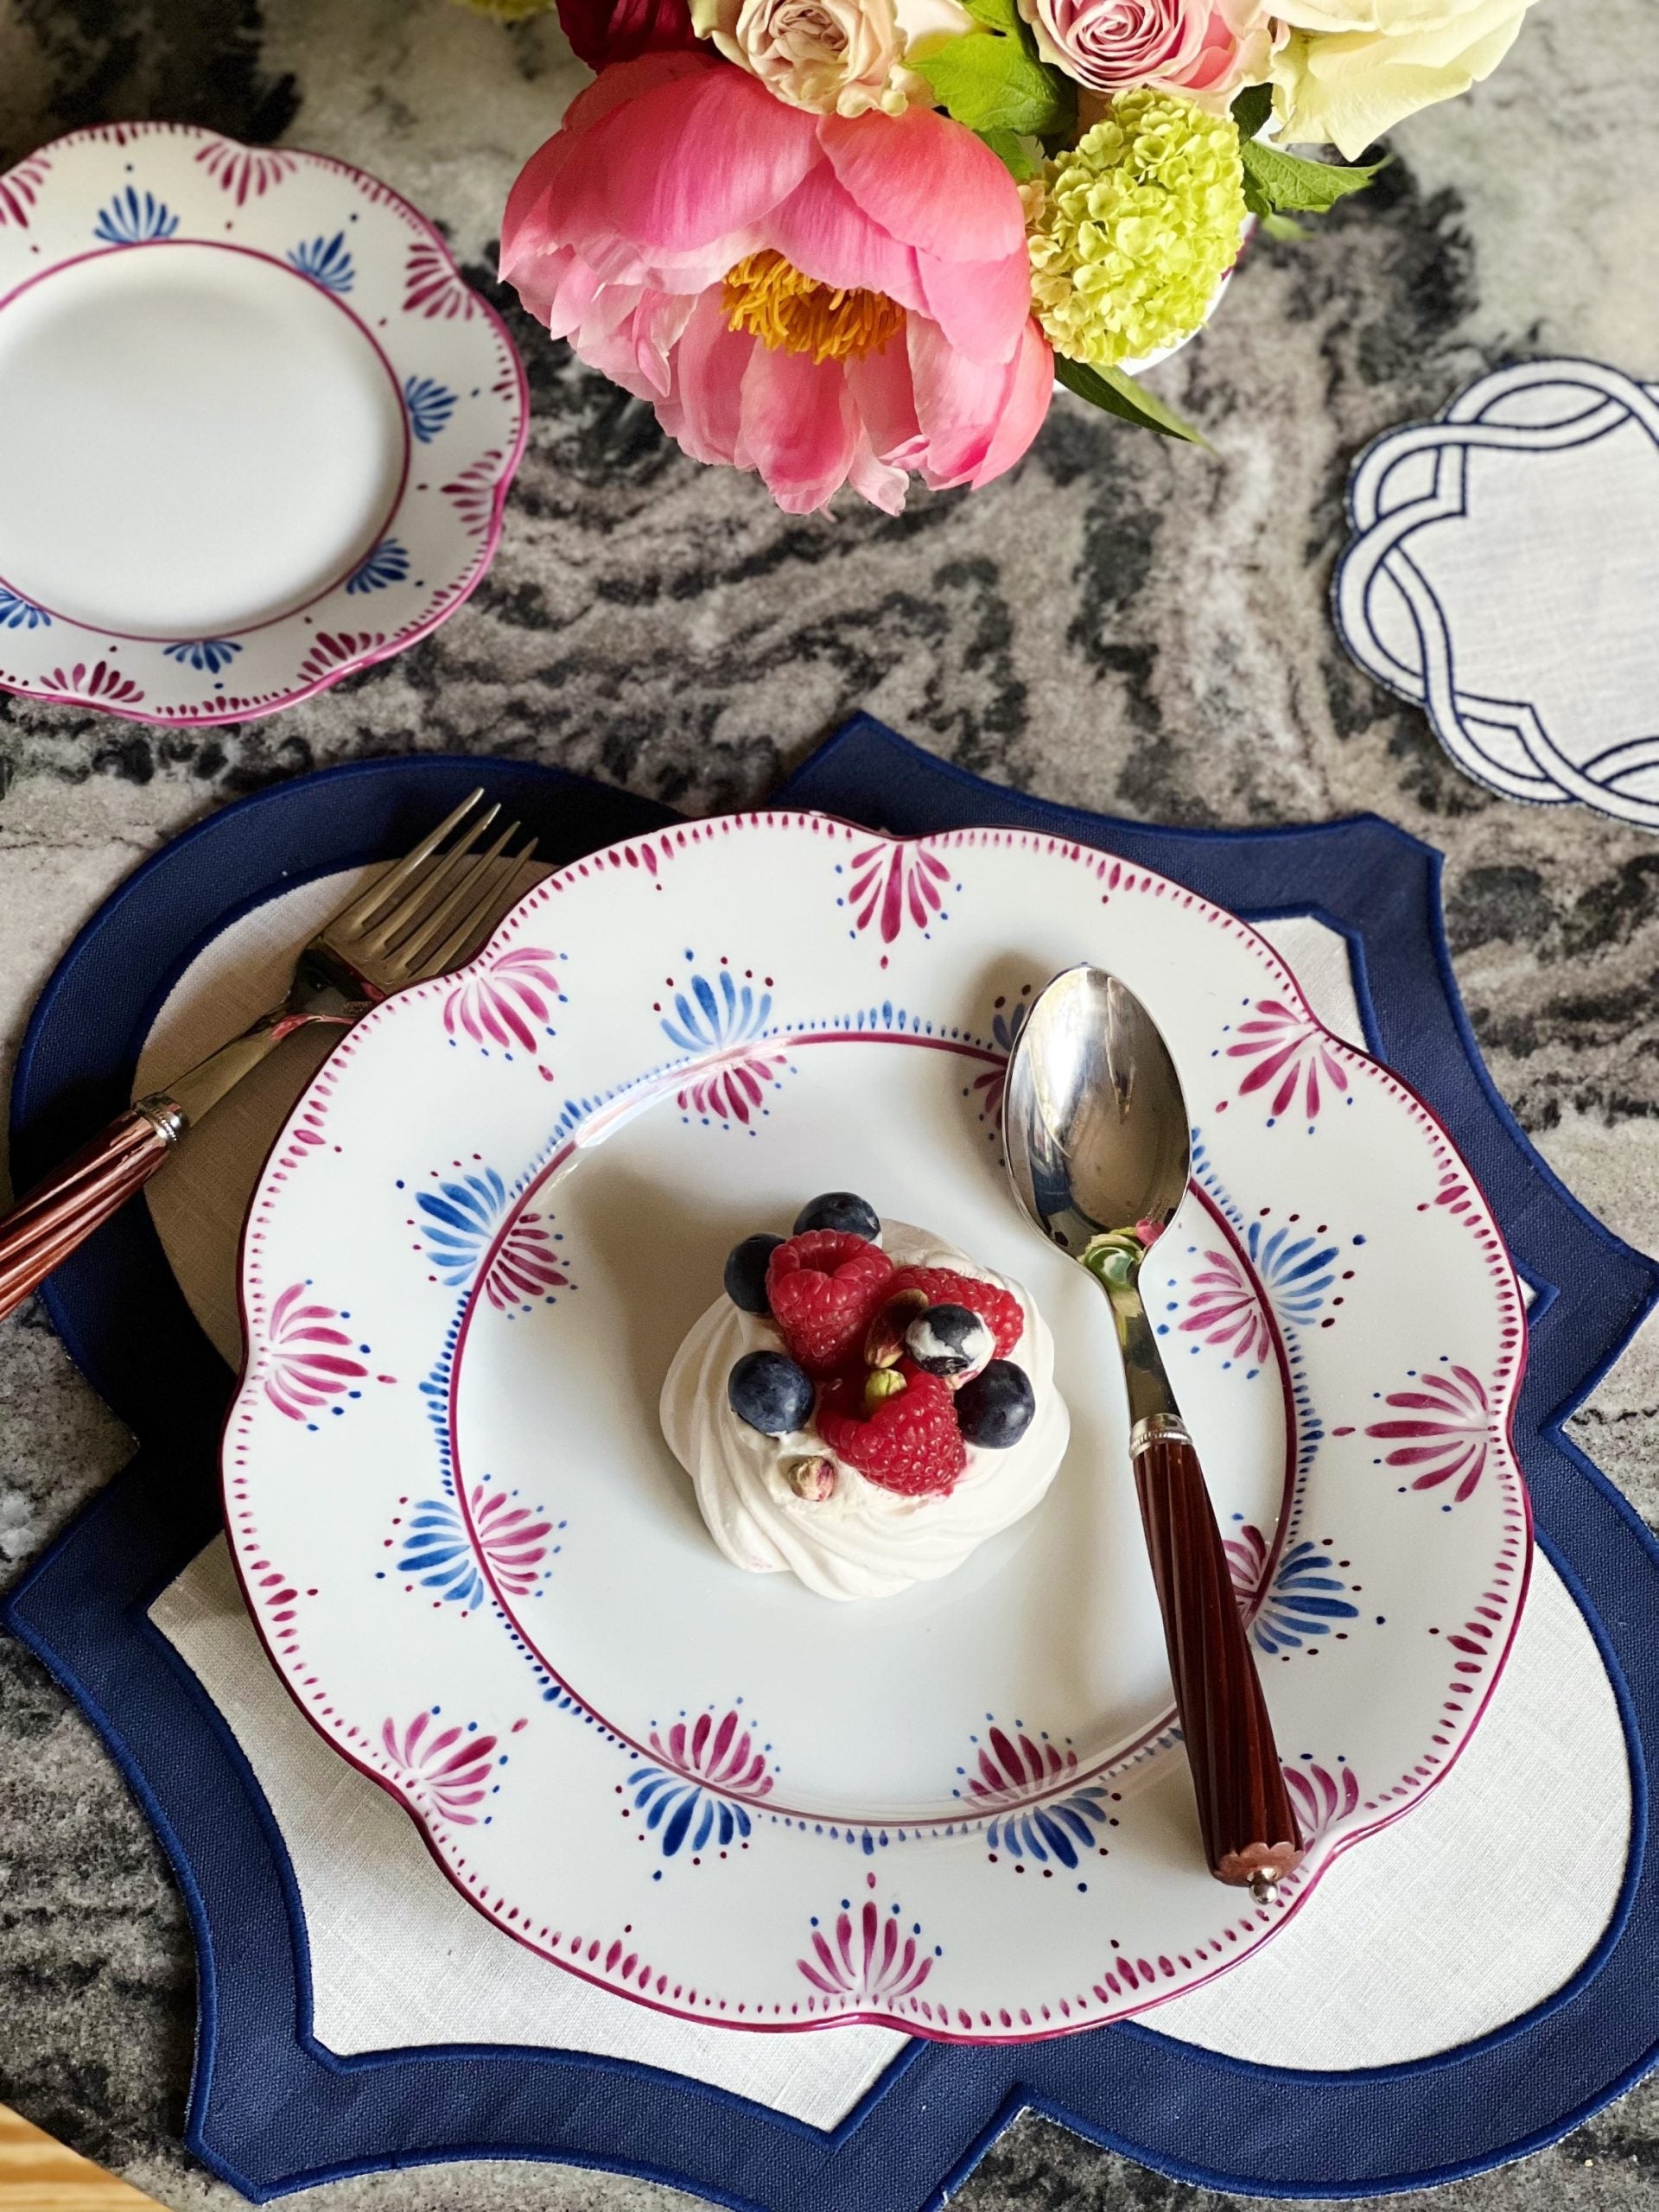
x=1119, y=624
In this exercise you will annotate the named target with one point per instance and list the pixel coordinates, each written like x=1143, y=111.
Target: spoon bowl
x=1096, y=1127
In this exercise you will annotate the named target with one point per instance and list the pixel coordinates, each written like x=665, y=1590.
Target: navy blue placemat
x=270, y=2108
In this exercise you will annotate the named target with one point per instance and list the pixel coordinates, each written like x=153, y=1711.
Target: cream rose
x=1353, y=68
x=833, y=57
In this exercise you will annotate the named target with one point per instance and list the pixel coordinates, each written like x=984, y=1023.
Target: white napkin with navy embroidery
x=1504, y=575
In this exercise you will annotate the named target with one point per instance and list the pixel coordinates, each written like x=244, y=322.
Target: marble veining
x=1119, y=624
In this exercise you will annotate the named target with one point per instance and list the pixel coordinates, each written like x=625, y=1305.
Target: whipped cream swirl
x=863, y=1541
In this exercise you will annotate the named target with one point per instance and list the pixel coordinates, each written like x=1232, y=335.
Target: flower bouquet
x=848, y=241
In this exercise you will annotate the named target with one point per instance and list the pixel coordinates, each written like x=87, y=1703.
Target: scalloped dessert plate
x=259, y=429
x=962, y=1811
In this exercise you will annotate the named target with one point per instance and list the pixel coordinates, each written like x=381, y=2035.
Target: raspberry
x=822, y=1288
x=944, y=1287
x=910, y=1444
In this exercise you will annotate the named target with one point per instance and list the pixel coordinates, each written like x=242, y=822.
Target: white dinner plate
x=259, y=427
x=961, y=1811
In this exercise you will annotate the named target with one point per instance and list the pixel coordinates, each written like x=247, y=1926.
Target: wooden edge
x=40, y=2174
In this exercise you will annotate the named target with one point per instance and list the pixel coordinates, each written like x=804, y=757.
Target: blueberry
x=950, y=1340
x=852, y=1215
x=994, y=1409
x=771, y=1393
x=746, y=1272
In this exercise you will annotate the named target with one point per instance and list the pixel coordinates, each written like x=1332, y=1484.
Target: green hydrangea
x=1132, y=231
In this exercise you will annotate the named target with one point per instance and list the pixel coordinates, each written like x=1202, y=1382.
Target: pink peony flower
x=823, y=299
x=1206, y=48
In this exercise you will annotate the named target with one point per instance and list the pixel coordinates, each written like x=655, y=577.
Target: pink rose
x=1206, y=49
x=823, y=299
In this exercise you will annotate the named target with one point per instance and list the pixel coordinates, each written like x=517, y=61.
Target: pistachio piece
x=812, y=1477
x=884, y=1340
x=881, y=1382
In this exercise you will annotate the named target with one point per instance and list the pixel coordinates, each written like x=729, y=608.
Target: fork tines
x=422, y=915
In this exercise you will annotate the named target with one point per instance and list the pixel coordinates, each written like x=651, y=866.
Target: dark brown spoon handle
x=79, y=1197
x=1250, y=1835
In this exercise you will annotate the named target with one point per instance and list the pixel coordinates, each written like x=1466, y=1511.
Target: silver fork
x=422, y=916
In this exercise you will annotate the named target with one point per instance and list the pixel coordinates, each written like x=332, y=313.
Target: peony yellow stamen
x=770, y=299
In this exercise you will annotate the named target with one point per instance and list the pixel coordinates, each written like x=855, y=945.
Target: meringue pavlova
x=864, y=1406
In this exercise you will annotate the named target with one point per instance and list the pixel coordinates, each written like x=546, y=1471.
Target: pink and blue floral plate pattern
x=448, y=387
x=963, y=1812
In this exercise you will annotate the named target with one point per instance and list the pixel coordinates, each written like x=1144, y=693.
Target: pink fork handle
x=62, y=1212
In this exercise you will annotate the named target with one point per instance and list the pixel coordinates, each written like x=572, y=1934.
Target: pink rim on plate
x=432, y=409
x=962, y=1812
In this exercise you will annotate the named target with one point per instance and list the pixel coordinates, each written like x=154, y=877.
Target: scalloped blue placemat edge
x=270, y=2110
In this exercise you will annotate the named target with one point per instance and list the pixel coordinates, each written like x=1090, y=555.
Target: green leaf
x=1120, y=395
x=1012, y=150
x=1251, y=109
x=1285, y=184
x=991, y=81
x=995, y=14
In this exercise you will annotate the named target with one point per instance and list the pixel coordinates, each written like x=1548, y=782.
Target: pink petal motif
x=507, y=1002
x=721, y=1754
x=332, y=650
x=18, y=188
x=473, y=493
x=1010, y=1771
x=434, y=287
x=867, y=1960
x=244, y=172
x=103, y=680
x=1450, y=1435
x=735, y=1092
x=526, y=1267
x=445, y=1774
x=1223, y=1309
x=1321, y=1797
x=512, y=1540
x=889, y=881
x=1247, y=1562
x=1290, y=1050
x=308, y=1358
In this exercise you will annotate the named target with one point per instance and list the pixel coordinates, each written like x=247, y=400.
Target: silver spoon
x=1099, y=1151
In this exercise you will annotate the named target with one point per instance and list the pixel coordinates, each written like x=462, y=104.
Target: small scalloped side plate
x=259, y=429
x=962, y=1812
